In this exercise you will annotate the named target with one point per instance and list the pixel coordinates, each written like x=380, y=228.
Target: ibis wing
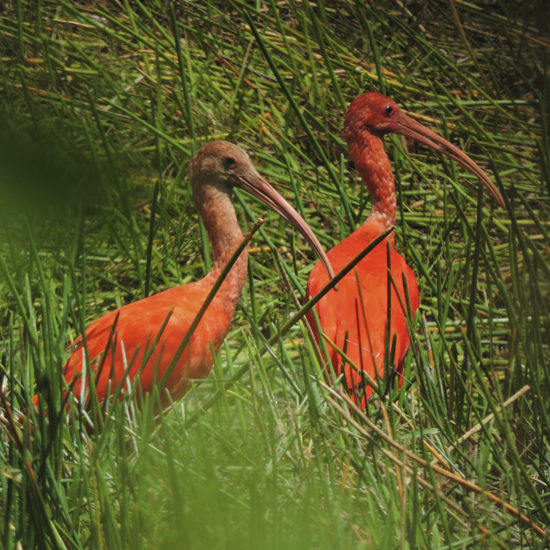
x=355, y=317
x=143, y=337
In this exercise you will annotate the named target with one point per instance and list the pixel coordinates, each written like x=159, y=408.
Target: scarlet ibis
x=119, y=342
x=360, y=327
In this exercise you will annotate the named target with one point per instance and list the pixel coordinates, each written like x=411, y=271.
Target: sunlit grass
x=100, y=114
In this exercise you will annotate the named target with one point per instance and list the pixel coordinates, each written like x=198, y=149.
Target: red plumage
x=142, y=338
x=355, y=316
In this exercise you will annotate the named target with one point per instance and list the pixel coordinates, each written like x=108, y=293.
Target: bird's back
x=354, y=317
x=143, y=337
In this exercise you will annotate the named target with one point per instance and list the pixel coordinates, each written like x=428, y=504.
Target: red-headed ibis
x=354, y=317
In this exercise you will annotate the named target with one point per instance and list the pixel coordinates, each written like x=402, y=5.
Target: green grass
x=99, y=115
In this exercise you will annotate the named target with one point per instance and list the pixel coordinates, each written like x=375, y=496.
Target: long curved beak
x=256, y=185
x=413, y=129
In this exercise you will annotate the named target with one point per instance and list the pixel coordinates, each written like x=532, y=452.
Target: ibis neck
x=224, y=232
x=373, y=164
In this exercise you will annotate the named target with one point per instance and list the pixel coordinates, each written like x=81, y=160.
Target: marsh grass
x=102, y=106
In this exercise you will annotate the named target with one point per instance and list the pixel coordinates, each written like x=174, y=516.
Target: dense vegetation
x=102, y=105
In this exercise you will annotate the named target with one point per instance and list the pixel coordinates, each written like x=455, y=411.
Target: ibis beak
x=257, y=186
x=413, y=129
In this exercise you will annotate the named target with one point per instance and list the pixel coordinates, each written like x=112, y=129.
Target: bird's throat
x=225, y=236
x=374, y=166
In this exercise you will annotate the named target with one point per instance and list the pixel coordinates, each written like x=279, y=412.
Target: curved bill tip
x=262, y=190
x=413, y=129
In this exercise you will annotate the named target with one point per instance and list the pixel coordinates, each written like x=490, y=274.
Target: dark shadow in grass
x=50, y=171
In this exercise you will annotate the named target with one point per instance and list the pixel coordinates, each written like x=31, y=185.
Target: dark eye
x=388, y=110
x=229, y=162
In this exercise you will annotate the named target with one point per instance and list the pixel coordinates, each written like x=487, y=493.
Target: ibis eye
x=229, y=162
x=388, y=110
